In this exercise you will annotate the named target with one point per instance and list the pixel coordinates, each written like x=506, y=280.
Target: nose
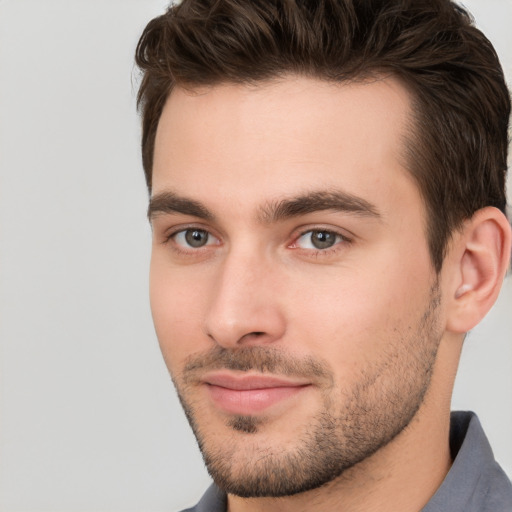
x=245, y=305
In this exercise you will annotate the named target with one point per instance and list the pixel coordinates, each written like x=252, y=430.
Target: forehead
x=249, y=143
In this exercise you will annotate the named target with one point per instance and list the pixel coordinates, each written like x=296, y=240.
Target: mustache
x=258, y=358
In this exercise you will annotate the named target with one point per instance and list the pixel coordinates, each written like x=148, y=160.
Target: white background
x=89, y=420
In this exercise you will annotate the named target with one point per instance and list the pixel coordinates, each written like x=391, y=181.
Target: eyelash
x=344, y=240
x=168, y=238
x=318, y=253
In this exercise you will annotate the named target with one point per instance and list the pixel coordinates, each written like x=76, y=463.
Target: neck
x=400, y=477
x=403, y=483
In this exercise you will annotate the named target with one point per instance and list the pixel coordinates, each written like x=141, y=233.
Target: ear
x=480, y=261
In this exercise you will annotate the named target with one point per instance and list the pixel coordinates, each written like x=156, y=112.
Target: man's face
x=291, y=286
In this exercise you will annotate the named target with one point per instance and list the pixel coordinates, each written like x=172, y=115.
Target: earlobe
x=484, y=253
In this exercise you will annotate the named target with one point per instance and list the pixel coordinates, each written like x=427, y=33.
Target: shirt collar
x=475, y=482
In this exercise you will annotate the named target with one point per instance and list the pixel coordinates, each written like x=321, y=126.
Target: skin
x=369, y=312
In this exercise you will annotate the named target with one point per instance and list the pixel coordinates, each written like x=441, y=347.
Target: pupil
x=323, y=239
x=196, y=237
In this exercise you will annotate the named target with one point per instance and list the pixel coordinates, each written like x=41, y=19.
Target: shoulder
x=213, y=500
x=475, y=482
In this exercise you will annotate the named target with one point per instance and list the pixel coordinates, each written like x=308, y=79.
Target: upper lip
x=251, y=381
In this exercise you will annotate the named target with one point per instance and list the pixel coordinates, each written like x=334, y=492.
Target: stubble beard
x=351, y=425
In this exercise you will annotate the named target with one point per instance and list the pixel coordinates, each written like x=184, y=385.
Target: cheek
x=176, y=307
x=351, y=319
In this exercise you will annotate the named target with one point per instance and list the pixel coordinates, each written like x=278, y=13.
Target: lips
x=250, y=394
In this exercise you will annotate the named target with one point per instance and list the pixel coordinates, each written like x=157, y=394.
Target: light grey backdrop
x=89, y=420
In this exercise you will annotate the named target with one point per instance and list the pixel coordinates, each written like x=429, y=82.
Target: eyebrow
x=311, y=202
x=169, y=202
x=275, y=211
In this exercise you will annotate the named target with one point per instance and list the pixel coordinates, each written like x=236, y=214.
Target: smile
x=250, y=394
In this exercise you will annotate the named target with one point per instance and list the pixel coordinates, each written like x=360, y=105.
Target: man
x=327, y=185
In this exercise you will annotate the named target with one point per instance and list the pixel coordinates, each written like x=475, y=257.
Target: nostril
x=252, y=336
x=250, y=324
x=245, y=337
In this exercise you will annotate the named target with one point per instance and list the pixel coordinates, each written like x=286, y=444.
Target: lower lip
x=250, y=401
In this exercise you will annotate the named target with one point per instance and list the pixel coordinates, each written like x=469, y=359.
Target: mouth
x=250, y=394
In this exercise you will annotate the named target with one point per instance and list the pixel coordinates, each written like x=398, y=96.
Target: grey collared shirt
x=475, y=482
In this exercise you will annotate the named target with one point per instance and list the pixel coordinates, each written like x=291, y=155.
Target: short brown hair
x=457, y=151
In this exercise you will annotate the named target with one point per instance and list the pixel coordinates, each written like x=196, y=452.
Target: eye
x=193, y=238
x=318, y=239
